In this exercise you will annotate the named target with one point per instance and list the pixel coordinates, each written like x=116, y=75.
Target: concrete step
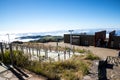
x=3, y=68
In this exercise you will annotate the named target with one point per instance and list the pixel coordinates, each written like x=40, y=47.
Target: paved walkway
x=14, y=73
x=2, y=69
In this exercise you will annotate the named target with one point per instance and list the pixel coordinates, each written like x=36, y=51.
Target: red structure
x=100, y=38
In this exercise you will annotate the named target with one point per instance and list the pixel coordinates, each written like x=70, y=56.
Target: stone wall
x=114, y=73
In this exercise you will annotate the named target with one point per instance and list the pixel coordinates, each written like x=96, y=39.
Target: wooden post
x=2, y=52
x=58, y=57
x=39, y=55
x=29, y=52
x=32, y=51
x=50, y=48
x=16, y=47
x=22, y=49
x=36, y=51
x=26, y=49
x=11, y=54
x=69, y=53
x=39, y=52
x=46, y=53
x=57, y=47
x=65, y=55
x=73, y=50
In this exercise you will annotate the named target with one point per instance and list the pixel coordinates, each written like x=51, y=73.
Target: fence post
x=57, y=47
x=29, y=52
x=26, y=49
x=16, y=47
x=46, y=53
x=39, y=55
x=37, y=52
x=73, y=49
x=22, y=49
x=11, y=54
x=32, y=51
x=65, y=55
x=58, y=57
x=2, y=52
x=69, y=53
x=50, y=48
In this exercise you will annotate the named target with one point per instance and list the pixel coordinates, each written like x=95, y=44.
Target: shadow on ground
x=17, y=72
x=102, y=69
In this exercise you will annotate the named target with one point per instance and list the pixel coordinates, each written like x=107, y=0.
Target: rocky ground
x=113, y=73
x=110, y=70
x=93, y=75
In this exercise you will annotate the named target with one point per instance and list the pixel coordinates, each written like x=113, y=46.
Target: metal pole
x=71, y=38
x=8, y=38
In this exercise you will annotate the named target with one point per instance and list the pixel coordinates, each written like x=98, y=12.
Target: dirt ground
x=101, y=52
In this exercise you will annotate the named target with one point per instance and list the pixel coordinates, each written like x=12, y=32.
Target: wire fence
x=38, y=52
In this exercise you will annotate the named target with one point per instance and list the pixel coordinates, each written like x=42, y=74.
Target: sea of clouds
x=15, y=36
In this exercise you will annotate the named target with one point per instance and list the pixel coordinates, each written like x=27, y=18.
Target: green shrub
x=18, y=58
x=6, y=57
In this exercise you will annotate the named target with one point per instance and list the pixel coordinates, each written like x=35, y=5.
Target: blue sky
x=51, y=15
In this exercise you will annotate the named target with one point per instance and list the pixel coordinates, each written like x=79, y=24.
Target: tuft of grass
x=81, y=50
x=91, y=56
x=6, y=57
x=68, y=75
